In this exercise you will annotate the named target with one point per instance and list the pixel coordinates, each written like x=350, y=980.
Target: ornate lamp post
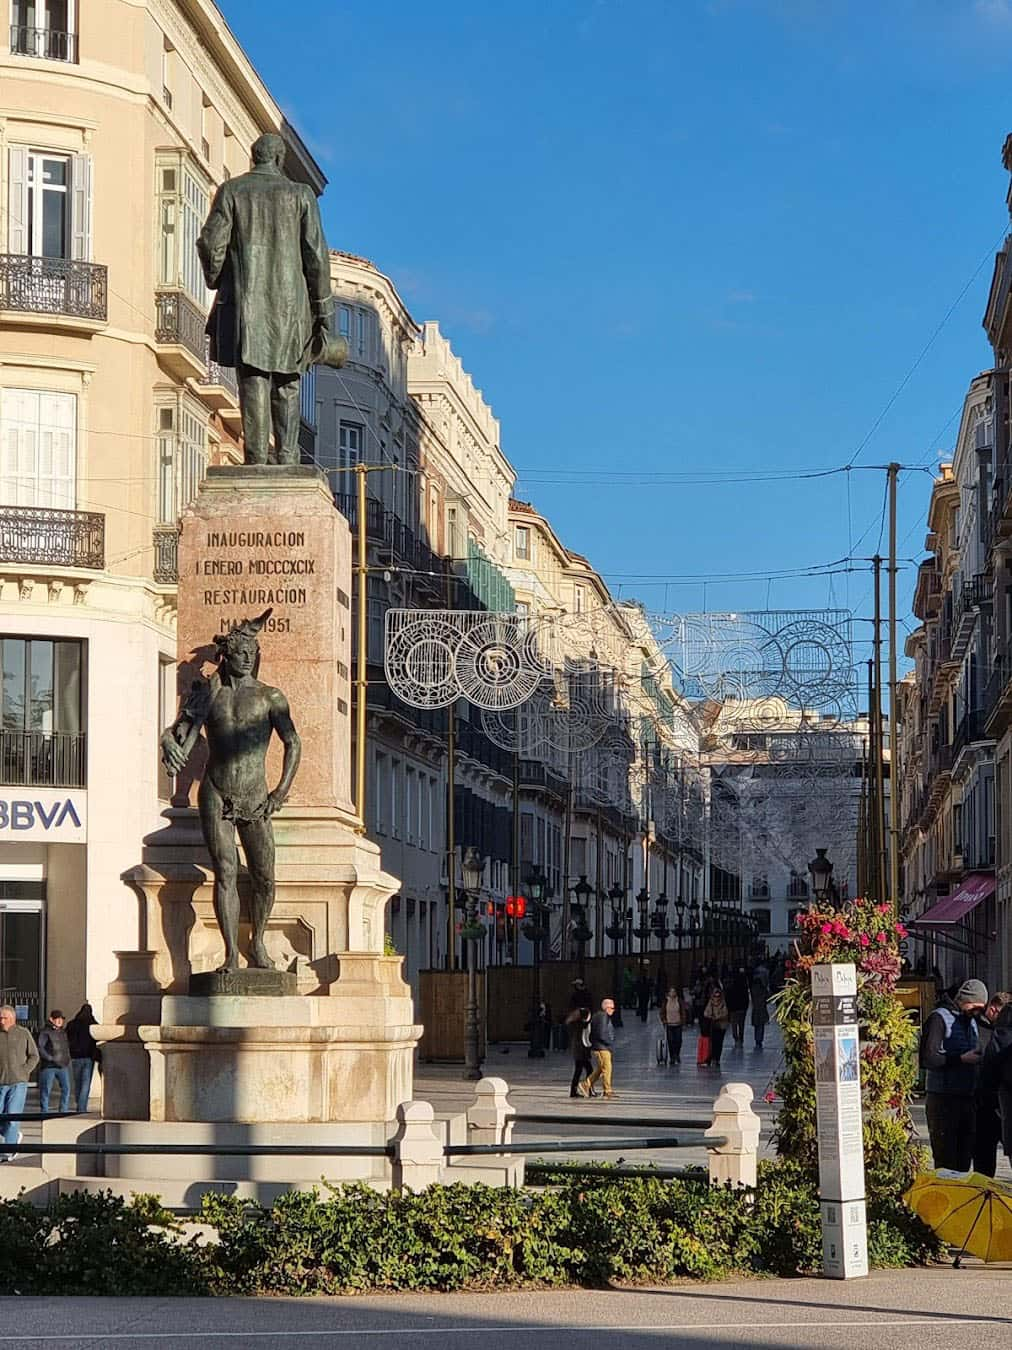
x=616, y=932
x=472, y=869
x=693, y=929
x=680, y=926
x=661, y=922
x=644, y=930
x=821, y=870
x=583, y=890
x=536, y=930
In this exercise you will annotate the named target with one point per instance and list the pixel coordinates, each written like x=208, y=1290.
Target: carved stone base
x=247, y=981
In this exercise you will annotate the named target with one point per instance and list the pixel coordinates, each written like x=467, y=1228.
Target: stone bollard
x=734, y=1163
x=418, y=1149
x=490, y=1115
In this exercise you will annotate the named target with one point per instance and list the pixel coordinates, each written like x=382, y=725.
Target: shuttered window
x=49, y=200
x=38, y=449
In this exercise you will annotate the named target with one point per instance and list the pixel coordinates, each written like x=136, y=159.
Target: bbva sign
x=43, y=815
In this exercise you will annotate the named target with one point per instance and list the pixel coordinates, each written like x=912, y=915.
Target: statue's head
x=239, y=648
x=269, y=149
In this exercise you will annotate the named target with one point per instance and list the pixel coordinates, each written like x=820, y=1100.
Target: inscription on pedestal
x=245, y=982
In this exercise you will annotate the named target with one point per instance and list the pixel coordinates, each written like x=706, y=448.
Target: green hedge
x=351, y=1238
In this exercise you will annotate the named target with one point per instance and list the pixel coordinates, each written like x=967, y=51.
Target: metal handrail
x=591, y=1118
x=582, y=1146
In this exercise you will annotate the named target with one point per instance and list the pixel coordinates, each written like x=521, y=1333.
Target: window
x=181, y=441
x=344, y=323
x=49, y=204
x=579, y=599
x=762, y=919
x=167, y=75
x=361, y=332
x=410, y=803
x=522, y=542
x=307, y=397
x=38, y=449
x=183, y=203
x=382, y=789
x=42, y=684
x=395, y=798
x=350, y=440
x=44, y=28
x=453, y=540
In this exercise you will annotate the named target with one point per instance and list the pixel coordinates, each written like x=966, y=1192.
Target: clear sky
x=693, y=238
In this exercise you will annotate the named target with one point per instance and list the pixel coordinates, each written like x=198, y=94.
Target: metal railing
x=43, y=758
x=180, y=321
x=166, y=542
x=44, y=536
x=31, y=285
x=223, y=376
x=48, y=44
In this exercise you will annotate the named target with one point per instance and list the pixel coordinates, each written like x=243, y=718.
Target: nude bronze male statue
x=238, y=715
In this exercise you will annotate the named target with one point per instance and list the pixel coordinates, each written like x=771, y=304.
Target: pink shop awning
x=952, y=908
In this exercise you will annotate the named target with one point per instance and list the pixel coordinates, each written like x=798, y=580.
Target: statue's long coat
x=262, y=248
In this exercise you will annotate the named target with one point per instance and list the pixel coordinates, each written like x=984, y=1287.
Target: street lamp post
x=535, y=931
x=680, y=929
x=472, y=869
x=583, y=890
x=616, y=931
x=644, y=930
x=821, y=870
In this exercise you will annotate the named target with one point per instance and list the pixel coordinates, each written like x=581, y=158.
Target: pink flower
x=880, y=937
x=769, y=1096
x=865, y=940
x=827, y=928
x=883, y=909
x=901, y=931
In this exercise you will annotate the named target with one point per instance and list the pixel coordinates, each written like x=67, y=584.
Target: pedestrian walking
x=643, y=996
x=602, y=1044
x=737, y=1003
x=760, y=1010
x=54, y=1061
x=18, y=1058
x=717, y=1018
x=583, y=1064
x=988, y=1131
x=581, y=997
x=997, y=1066
x=84, y=1053
x=949, y=1055
x=671, y=1011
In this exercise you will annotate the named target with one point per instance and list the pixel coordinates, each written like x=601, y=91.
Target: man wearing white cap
x=950, y=1054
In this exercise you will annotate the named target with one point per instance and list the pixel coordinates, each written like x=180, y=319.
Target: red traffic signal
x=516, y=906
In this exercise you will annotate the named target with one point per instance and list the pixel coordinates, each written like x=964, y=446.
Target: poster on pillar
x=839, y=1129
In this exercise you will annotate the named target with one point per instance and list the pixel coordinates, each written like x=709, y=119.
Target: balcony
x=997, y=703
x=944, y=667
x=166, y=542
x=47, y=44
x=975, y=592
x=375, y=523
x=219, y=387
x=40, y=536
x=54, y=288
x=968, y=732
x=180, y=335
x=42, y=758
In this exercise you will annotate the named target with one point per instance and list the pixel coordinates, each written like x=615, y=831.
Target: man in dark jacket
x=736, y=995
x=949, y=1054
x=18, y=1057
x=602, y=1042
x=54, y=1056
x=993, y=1055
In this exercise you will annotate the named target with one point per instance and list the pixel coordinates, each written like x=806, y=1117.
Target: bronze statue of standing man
x=262, y=249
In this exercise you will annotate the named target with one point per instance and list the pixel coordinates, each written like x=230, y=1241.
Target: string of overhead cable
x=693, y=478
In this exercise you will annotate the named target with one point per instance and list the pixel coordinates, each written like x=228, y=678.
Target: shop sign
x=43, y=815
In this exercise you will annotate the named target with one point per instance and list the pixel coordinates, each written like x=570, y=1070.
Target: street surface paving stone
x=906, y=1310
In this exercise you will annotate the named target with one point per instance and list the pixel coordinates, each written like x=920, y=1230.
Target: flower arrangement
x=865, y=934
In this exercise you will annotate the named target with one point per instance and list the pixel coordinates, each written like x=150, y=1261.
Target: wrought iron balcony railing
x=46, y=43
x=180, y=321
x=33, y=285
x=42, y=536
x=166, y=542
x=219, y=375
x=42, y=758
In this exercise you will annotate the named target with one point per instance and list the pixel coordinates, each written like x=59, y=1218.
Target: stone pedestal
x=331, y=1038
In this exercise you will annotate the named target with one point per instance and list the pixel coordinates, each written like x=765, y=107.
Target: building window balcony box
x=218, y=387
x=46, y=44
x=180, y=336
x=54, y=291
x=42, y=758
x=40, y=536
x=166, y=544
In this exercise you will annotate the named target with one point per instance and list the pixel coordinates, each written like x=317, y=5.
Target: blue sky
x=691, y=237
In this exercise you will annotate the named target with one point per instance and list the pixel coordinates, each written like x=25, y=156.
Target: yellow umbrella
x=966, y=1210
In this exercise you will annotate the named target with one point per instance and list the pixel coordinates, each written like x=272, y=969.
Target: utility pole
x=871, y=851
x=894, y=756
x=881, y=865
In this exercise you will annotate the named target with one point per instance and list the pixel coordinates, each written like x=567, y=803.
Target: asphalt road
x=909, y=1310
